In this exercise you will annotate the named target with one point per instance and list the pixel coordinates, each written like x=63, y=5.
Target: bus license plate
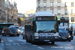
x=46, y=34
x=50, y=34
x=46, y=40
x=64, y=38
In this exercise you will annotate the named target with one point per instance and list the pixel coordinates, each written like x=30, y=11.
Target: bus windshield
x=46, y=26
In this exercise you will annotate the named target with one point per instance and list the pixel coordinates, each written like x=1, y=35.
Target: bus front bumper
x=46, y=39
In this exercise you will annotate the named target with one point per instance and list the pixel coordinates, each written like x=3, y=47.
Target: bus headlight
x=36, y=35
x=19, y=30
x=11, y=32
x=2, y=31
x=69, y=36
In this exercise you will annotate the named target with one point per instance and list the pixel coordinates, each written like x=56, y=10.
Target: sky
x=25, y=5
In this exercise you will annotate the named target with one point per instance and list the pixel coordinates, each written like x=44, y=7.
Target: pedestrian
x=70, y=31
x=0, y=40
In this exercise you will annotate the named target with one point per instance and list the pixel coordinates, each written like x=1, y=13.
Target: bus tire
x=27, y=39
x=53, y=42
x=32, y=41
x=23, y=37
x=69, y=40
x=17, y=34
x=2, y=34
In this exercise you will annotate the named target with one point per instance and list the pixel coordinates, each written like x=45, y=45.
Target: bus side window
x=34, y=26
x=27, y=28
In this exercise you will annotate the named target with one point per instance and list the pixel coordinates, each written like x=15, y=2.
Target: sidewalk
x=1, y=44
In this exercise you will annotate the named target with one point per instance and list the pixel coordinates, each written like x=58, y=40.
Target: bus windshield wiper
x=53, y=31
x=40, y=31
x=46, y=30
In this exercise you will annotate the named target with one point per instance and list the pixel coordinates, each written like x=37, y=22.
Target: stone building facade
x=60, y=8
x=2, y=17
x=11, y=12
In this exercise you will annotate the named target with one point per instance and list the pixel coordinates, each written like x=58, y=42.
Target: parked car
x=22, y=31
x=64, y=35
x=17, y=27
x=10, y=31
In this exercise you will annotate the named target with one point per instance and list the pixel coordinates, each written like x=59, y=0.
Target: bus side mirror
x=32, y=28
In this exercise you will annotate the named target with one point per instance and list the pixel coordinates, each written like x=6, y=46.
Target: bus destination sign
x=46, y=18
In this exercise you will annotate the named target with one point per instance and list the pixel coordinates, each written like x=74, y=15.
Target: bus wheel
x=27, y=40
x=53, y=42
x=17, y=34
x=32, y=41
x=69, y=40
x=2, y=34
x=23, y=37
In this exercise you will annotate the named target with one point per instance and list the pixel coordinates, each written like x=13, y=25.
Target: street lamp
x=12, y=18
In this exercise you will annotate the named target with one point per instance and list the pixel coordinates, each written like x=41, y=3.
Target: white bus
x=41, y=27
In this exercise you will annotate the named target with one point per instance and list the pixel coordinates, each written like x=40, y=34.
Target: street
x=17, y=43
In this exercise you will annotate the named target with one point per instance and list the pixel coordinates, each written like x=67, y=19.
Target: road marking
x=69, y=47
x=17, y=43
x=22, y=43
x=22, y=40
x=1, y=40
x=7, y=44
x=34, y=45
x=2, y=44
x=40, y=48
x=14, y=43
x=10, y=40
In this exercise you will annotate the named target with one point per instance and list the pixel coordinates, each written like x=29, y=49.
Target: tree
x=19, y=21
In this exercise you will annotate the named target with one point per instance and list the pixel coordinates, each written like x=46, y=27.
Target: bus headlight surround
x=59, y=36
x=2, y=31
x=11, y=32
x=36, y=35
x=19, y=30
x=56, y=37
x=69, y=36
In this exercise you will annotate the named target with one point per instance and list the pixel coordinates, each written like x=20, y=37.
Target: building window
x=44, y=0
x=58, y=12
x=38, y=10
x=72, y=4
x=51, y=4
x=44, y=10
x=65, y=12
x=0, y=10
x=38, y=0
x=0, y=13
x=65, y=4
x=66, y=18
x=44, y=4
x=38, y=4
x=71, y=11
x=51, y=11
x=72, y=19
x=58, y=4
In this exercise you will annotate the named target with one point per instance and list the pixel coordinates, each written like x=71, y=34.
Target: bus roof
x=43, y=14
